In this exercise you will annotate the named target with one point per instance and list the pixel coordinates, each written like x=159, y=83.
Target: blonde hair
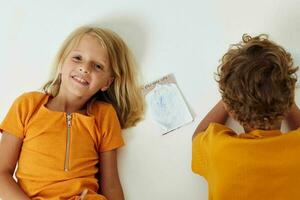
x=257, y=81
x=124, y=93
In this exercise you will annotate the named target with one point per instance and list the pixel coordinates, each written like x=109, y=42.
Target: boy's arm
x=10, y=147
x=293, y=117
x=110, y=182
x=217, y=114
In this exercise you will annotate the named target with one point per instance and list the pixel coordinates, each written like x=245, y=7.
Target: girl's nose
x=84, y=69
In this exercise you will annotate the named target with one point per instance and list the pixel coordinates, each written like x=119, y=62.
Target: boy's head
x=257, y=81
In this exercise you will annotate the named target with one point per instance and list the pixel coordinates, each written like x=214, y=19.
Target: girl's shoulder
x=31, y=98
x=25, y=106
x=103, y=111
x=106, y=119
x=100, y=108
x=33, y=95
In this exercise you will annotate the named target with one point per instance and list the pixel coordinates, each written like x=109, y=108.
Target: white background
x=186, y=38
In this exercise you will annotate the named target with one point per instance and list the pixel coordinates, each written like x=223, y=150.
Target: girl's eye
x=76, y=58
x=98, y=67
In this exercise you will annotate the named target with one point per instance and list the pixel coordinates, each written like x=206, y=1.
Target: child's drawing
x=166, y=104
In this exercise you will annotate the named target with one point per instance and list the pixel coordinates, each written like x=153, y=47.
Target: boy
x=257, y=81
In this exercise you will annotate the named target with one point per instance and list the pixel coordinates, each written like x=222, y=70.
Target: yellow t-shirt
x=60, y=151
x=259, y=165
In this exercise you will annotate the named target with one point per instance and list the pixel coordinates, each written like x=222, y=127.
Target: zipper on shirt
x=67, y=156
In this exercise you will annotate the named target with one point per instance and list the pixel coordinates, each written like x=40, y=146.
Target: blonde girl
x=65, y=139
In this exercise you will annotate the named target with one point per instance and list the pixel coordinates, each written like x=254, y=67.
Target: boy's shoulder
x=215, y=130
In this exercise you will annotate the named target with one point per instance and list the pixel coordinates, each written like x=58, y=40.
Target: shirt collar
x=255, y=134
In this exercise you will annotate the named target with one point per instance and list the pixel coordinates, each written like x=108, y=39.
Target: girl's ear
x=109, y=82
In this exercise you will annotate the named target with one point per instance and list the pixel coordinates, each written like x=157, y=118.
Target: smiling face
x=86, y=69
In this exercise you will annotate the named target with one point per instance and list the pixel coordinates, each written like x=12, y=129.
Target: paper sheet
x=166, y=104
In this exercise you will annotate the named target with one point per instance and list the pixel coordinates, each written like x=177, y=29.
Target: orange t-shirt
x=257, y=165
x=60, y=151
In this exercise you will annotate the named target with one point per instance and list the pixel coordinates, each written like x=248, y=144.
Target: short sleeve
x=111, y=132
x=15, y=120
x=202, y=146
x=200, y=154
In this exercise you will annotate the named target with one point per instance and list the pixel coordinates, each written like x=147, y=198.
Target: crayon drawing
x=166, y=105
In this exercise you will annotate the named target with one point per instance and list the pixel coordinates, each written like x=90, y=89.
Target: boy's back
x=257, y=165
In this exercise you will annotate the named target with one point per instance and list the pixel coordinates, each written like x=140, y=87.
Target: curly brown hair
x=257, y=81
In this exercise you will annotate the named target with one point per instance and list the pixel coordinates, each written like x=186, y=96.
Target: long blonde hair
x=124, y=93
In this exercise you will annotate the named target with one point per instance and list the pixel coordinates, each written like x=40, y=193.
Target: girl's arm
x=217, y=114
x=110, y=183
x=10, y=147
x=293, y=117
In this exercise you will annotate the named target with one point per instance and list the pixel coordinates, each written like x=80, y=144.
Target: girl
x=66, y=136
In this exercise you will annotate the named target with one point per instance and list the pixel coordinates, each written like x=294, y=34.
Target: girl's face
x=86, y=69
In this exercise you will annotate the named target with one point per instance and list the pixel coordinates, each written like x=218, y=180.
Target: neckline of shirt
x=261, y=134
x=77, y=114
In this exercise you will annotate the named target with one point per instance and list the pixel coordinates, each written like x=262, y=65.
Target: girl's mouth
x=80, y=80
